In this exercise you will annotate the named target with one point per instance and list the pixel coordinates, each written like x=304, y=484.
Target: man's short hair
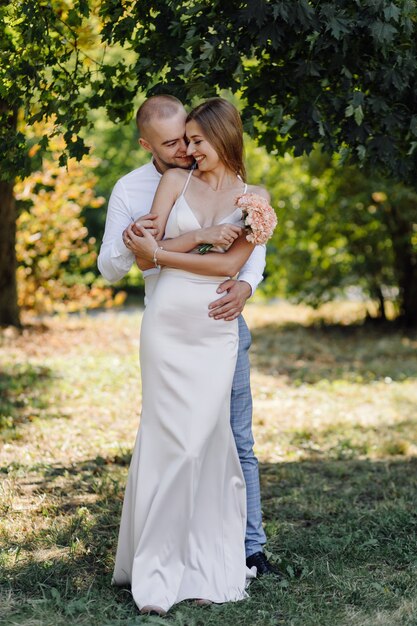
x=160, y=106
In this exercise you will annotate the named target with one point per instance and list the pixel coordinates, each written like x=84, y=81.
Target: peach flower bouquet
x=259, y=219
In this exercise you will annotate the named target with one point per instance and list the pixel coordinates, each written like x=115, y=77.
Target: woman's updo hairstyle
x=221, y=124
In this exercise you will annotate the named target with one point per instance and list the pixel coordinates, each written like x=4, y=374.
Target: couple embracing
x=191, y=524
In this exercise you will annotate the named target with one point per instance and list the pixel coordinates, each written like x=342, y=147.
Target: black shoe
x=263, y=566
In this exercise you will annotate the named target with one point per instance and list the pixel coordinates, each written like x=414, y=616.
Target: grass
x=335, y=408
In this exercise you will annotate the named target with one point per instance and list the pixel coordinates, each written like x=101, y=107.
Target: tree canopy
x=342, y=73
x=339, y=232
x=55, y=251
x=339, y=74
x=51, y=57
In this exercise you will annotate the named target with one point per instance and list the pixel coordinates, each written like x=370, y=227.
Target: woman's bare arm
x=216, y=264
x=219, y=235
x=174, y=252
x=166, y=194
x=168, y=190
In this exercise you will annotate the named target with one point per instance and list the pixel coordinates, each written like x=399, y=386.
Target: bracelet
x=155, y=260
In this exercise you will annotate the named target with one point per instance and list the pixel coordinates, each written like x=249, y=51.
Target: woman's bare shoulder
x=261, y=191
x=175, y=174
x=173, y=181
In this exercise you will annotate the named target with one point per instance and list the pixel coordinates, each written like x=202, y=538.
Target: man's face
x=165, y=138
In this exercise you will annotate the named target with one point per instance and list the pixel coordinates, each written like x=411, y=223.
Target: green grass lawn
x=335, y=420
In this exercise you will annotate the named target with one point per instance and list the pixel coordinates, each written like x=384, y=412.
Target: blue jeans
x=241, y=422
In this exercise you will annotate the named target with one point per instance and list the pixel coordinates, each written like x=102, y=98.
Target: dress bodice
x=182, y=219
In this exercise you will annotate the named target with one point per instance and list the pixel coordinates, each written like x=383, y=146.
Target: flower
x=258, y=217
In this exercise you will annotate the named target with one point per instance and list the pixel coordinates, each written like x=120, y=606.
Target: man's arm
x=115, y=259
x=169, y=188
x=237, y=292
x=252, y=271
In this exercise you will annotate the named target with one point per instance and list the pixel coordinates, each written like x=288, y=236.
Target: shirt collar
x=154, y=167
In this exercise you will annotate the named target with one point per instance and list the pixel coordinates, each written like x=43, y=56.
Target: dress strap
x=187, y=181
x=246, y=184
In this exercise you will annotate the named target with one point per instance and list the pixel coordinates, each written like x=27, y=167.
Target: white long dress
x=184, y=514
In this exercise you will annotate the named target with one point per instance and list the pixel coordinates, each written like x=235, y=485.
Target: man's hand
x=144, y=264
x=220, y=235
x=147, y=222
x=143, y=245
x=231, y=305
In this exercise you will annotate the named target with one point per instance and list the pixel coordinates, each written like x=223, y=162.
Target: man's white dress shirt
x=131, y=198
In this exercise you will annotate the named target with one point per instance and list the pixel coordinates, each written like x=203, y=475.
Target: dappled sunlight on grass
x=326, y=390
x=335, y=421
x=97, y=384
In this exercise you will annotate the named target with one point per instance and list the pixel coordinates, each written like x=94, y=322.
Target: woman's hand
x=220, y=235
x=142, y=246
x=146, y=221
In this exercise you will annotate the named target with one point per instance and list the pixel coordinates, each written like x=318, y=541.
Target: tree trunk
x=408, y=291
x=405, y=266
x=9, y=310
x=381, y=304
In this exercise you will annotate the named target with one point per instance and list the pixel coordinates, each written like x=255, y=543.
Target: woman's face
x=199, y=147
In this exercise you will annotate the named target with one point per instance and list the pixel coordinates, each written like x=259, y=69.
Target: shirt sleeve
x=114, y=259
x=252, y=271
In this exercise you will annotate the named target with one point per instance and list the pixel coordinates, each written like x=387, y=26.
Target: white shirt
x=132, y=197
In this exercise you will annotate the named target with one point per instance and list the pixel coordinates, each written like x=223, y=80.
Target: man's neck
x=158, y=168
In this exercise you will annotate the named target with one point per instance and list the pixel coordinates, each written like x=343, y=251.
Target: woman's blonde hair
x=221, y=124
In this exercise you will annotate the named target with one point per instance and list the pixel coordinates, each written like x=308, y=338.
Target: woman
x=183, y=522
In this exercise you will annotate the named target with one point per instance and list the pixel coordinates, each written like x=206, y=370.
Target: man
x=161, y=125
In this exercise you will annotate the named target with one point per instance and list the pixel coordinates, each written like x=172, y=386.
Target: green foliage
x=53, y=68
x=41, y=72
x=51, y=58
x=24, y=395
x=339, y=73
x=338, y=229
x=55, y=254
x=116, y=148
x=117, y=152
